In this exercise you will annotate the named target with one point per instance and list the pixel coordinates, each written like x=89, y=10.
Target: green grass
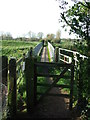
x=15, y=48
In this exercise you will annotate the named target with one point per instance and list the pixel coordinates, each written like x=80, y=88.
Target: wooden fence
x=64, y=55
x=31, y=74
x=12, y=73
x=67, y=56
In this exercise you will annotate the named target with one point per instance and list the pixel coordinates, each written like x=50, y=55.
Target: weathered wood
x=80, y=83
x=12, y=87
x=52, y=85
x=35, y=83
x=29, y=73
x=56, y=54
x=46, y=75
x=4, y=69
x=43, y=43
x=30, y=52
x=52, y=94
x=48, y=64
x=66, y=52
x=57, y=85
x=49, y=75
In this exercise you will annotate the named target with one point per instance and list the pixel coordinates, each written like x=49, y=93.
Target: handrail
x=66, y=54
x=74, y=52
x=51, y=51
x=70, y=54
x=38, y=48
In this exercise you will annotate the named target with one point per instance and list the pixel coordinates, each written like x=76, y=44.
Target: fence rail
x=37, y=49
x=64, y=55
x=51, y=51
x=65, y=68
x=69, y=55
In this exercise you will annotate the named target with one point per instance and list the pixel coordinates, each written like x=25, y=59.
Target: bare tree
x=40, y=35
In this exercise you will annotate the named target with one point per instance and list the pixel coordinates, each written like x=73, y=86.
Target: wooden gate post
x=71, y=87
x=29, y=73
x=56, y=54
x=31, y=52
x=35, y=82
x=4, y=69
x=12, y=87
x=43, y=43
x=80, y=84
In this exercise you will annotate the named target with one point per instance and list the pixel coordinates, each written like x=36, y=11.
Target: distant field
x=65, y=44
x=79, y=46
x=15, y=48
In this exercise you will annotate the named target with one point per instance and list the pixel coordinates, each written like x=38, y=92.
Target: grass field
x=65, y=44
x=13, y=48
x=16, y=48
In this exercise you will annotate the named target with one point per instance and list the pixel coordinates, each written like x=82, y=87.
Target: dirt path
x=52, y=107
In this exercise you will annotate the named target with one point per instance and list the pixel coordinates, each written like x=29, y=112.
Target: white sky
x=21, y=16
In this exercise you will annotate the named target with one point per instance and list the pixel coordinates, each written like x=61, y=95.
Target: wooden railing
x=37, y=49
x=64, y=55
x=67, y=56
x=51, y=51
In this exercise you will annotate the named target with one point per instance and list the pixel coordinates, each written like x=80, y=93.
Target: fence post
x=35, y=82
x=12, y=87
x=71, y=88
x=29, y=73
x=56, y=54
x=43, y=43
x=4, y=69
x=31, y=52
x=80, y=84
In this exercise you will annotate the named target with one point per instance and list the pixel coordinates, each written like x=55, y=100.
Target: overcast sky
x=21, y=16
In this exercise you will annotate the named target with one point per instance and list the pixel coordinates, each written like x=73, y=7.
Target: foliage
x=78, y=19
x=55, y=40
x=50, y=37
x=66, y=44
